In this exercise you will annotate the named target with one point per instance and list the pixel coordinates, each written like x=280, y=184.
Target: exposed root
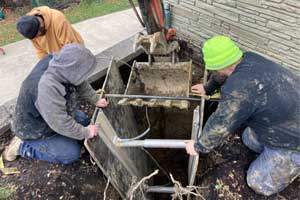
x=179, y=190
x=106, y=187
x=185, y=191
x=139, y=184
x=92, y=161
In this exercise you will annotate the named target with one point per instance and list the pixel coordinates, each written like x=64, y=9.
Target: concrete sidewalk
x=98, y=33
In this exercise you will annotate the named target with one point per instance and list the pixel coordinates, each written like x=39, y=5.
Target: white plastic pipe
x=160, y=189
x=153, y=143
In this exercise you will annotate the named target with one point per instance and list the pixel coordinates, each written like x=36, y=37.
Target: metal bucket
x=159, y=79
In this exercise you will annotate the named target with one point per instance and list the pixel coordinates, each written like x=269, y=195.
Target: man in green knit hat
x=262, y=97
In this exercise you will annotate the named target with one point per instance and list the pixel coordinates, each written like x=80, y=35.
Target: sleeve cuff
x=86, y=133
x=200, y=148
x=206, y=89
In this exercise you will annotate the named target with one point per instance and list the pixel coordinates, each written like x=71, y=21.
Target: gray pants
x=274, y=169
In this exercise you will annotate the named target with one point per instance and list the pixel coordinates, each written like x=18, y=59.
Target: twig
x=138, y=184
x=280, y=197
x=92, y=161
x=106, y=187
x=181, y=191
x=158, y=165
x=206, y=172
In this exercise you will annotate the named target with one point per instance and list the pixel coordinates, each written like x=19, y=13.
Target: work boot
x=11, y=151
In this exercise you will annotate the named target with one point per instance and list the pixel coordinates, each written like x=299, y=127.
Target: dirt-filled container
x=159, y=79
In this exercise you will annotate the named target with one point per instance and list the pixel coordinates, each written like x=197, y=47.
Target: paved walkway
x=98, y=33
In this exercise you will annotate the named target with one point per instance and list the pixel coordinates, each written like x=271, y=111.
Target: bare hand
x=102, y=103
x=199, y=88
x=190, y=149
x=93, y=131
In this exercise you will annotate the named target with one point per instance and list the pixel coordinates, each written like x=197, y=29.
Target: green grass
x=85, y=10
x=8, y=33
x=6, y=192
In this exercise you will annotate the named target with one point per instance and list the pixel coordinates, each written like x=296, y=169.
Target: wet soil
x=43, y=180
x=223, y=172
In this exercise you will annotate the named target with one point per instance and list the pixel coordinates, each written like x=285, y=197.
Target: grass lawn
x=94, y=9
x=6, y=192
x=85, y=10
x=8, y=32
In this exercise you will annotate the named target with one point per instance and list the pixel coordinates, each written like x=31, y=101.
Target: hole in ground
x=223, y=171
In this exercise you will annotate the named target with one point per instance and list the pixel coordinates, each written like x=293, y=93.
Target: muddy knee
x=259, y=184
x=272, y=171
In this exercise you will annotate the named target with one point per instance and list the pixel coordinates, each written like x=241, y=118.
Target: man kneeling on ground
x=263, y=97
x=47, y=122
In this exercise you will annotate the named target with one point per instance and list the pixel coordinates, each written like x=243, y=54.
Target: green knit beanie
x=220, y=52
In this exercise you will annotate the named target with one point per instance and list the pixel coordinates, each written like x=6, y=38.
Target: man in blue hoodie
x=263, y=97
x=47, y=122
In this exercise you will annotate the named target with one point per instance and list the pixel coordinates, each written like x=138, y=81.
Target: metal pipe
x=95, y=114
x=202, y=107
x=131, y=72
x=160, y=189
x=155, y=97
x=173, y=57
x=150, y=59
x=196, y=158
x=167, y=16
x=153, y=143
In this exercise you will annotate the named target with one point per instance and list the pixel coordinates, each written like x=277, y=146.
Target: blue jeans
x=55, y=149
x=274, y=169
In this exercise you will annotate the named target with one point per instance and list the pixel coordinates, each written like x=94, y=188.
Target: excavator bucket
x=159, y=79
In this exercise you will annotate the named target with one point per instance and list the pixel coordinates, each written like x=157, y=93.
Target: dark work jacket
x=259, y=94
x=215, y=81
x=27, y=121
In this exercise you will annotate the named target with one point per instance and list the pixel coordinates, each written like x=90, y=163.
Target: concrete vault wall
x=268, y=27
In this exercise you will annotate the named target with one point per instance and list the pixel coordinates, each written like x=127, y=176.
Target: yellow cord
x=214, y=96
x=100, y=91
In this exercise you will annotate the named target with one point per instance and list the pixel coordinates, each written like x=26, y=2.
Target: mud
x=168, y=123
x=221, y=173
x=160, y=79
x=43, y=180
x=123, y=165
